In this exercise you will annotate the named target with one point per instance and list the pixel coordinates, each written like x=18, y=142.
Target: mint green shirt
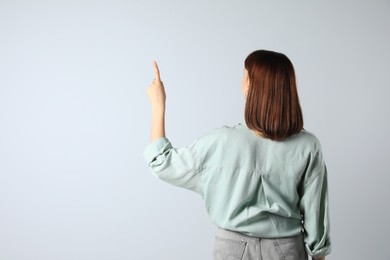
x=252, y=184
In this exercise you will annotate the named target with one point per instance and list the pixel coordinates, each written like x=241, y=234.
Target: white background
x=74, y=118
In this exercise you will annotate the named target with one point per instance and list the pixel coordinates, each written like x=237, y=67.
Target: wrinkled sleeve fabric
x=177, y=166
x=314, y=206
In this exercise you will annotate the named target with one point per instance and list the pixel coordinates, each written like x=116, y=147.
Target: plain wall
x=74, y=118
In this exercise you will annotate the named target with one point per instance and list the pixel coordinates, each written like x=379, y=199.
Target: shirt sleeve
x=314, y=206
x=177, y=166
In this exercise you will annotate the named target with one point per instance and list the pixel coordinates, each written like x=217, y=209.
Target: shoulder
x=220, y=135
x=308, y=137
x=225, y=130
x=310, y=142
x=305, y=140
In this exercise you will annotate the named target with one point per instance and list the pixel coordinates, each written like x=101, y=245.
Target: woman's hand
x=156, y=91
x=156, y=94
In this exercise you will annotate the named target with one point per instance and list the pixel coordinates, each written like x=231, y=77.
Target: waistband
x=230, y=234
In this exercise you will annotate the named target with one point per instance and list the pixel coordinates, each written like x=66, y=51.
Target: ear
x=246, y=87
x=245, y=84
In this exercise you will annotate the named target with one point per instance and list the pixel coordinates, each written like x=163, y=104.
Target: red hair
x=272, y=104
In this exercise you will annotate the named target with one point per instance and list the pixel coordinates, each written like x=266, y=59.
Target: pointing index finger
x=156, y=71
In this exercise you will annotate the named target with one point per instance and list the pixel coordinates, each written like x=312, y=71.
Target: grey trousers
x=230, y=245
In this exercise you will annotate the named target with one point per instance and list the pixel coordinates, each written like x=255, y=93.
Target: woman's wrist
x=158, y=109
x=158, y=123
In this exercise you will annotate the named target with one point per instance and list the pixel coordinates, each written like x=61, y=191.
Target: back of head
x=272, y=104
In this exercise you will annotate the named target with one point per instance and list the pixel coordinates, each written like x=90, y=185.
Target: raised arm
x=156, y=94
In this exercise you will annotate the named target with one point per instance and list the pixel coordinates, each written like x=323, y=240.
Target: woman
x=264, y=182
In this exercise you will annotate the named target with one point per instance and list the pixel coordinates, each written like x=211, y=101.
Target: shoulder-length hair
x=272, y=104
